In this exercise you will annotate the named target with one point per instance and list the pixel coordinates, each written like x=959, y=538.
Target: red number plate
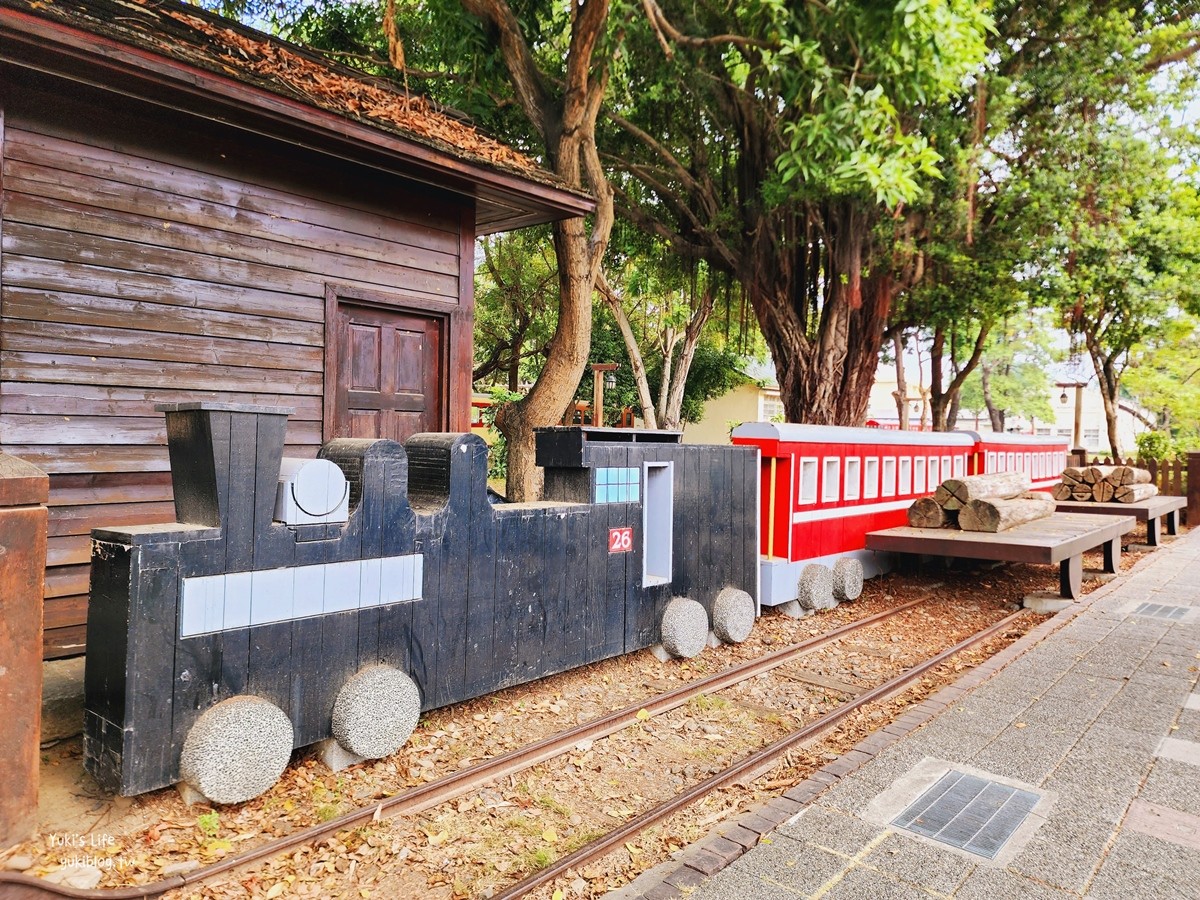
x=620, y=540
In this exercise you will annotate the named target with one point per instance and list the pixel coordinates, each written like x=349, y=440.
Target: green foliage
x=498, y=450
x=516, y=306
x=1156, y=445
x=209, y=824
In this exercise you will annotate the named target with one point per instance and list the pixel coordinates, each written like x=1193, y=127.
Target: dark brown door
x=389, y=374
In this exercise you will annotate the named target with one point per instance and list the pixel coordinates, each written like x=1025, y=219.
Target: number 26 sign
x=620, y=540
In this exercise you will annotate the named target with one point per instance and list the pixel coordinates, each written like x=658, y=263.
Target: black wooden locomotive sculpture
x=298, y=601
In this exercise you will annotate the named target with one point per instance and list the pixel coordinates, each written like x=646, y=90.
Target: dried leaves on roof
x=176, y=31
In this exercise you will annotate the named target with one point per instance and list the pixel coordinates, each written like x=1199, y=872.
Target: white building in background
x=760, y=402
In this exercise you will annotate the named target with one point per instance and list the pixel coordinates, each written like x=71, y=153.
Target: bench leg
x=1070, y=577
x=1173, y=522
x=1112, y=555
x=1152, y=529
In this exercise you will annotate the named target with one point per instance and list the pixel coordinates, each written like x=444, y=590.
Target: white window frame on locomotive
x=904, y=485
x=959, y=465
x=919, y=475
x=933, y=474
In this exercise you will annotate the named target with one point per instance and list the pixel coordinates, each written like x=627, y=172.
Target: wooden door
x=388, y=377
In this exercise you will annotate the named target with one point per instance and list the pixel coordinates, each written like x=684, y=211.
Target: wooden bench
x=1154, y=512
x=1062, y=538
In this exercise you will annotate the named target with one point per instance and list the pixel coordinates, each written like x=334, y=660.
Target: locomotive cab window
x=960, y=466
x=889, y=477
x=807, y=487
x=830, y=479
x=919, y=475
x=905, y=475
x=991, y=461
x=871, y=478
x=852, y=490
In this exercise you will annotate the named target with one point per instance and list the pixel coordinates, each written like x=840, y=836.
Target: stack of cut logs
x=993, y=502
x=1104, y=484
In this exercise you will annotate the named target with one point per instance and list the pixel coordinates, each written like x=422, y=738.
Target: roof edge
x=83, y=56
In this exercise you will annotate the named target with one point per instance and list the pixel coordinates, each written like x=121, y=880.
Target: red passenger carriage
x=824, y=487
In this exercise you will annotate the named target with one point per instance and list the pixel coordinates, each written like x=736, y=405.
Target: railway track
x=450, y=787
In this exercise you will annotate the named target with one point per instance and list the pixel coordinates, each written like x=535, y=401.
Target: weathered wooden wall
x=149, y=258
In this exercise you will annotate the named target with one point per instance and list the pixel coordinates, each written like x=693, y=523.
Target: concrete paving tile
x=984, y=716
x=1187, y=727
x=917, y=862
x=1156, y=856
x=1103, y=735
x=1065, y=852
x=1028, y=754
x=1185, y=637
x=949, y=744
x=731, y=885
x=860, y=883
x=855, y=793
x=1141, y=708
x=1090, y=691
x=830, y=829
x=1183, y=751
x=1060, y=712
x=1121, y=882
x=1173, y=784
x=999, y=884
x=785, y=862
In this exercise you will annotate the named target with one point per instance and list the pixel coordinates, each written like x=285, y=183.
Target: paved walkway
x=1086, y=734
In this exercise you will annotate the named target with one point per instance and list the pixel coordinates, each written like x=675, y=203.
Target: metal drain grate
x=1158, y=611
x=968, y=812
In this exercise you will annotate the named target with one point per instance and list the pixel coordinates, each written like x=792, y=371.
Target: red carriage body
x=823, y=487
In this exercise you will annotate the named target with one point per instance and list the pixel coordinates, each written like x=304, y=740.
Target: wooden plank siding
x=143, y=270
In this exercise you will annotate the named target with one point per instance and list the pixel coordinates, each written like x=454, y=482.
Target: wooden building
x=192, y=210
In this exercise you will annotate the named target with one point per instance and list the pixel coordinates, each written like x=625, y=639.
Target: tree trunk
x=566, y=123
x=673, y=408
x=901, y=394
x=636, y=362
x=995, y=414
x=1000, y=515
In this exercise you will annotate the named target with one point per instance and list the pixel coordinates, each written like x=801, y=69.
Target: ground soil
x=478, y=844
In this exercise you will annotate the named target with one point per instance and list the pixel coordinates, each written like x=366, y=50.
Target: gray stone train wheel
x=814, y=589
x=376, y=711
x=847, y=579
x=684, y=628
x=733, y=615
x=237, y=749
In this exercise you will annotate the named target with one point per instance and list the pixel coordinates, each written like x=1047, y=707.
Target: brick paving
x=1097, y=711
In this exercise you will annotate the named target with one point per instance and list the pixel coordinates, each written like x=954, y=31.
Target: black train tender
x=301, y=601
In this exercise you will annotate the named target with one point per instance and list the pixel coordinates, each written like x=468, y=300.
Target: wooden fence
x=1169, y=476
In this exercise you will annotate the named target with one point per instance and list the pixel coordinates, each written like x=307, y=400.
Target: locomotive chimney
x=216, y=446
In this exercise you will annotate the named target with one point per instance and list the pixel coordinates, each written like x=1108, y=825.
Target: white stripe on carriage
x=846, y=512
x=212, y=603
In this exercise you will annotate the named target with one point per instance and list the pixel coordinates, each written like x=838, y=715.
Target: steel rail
x=24, y=887
x=602, y=845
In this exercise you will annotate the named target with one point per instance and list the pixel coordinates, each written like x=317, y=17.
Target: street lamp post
x=602, y=375
x=1077, y=439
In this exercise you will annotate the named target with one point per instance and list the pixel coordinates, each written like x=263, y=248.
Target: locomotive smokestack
x=212, y=445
